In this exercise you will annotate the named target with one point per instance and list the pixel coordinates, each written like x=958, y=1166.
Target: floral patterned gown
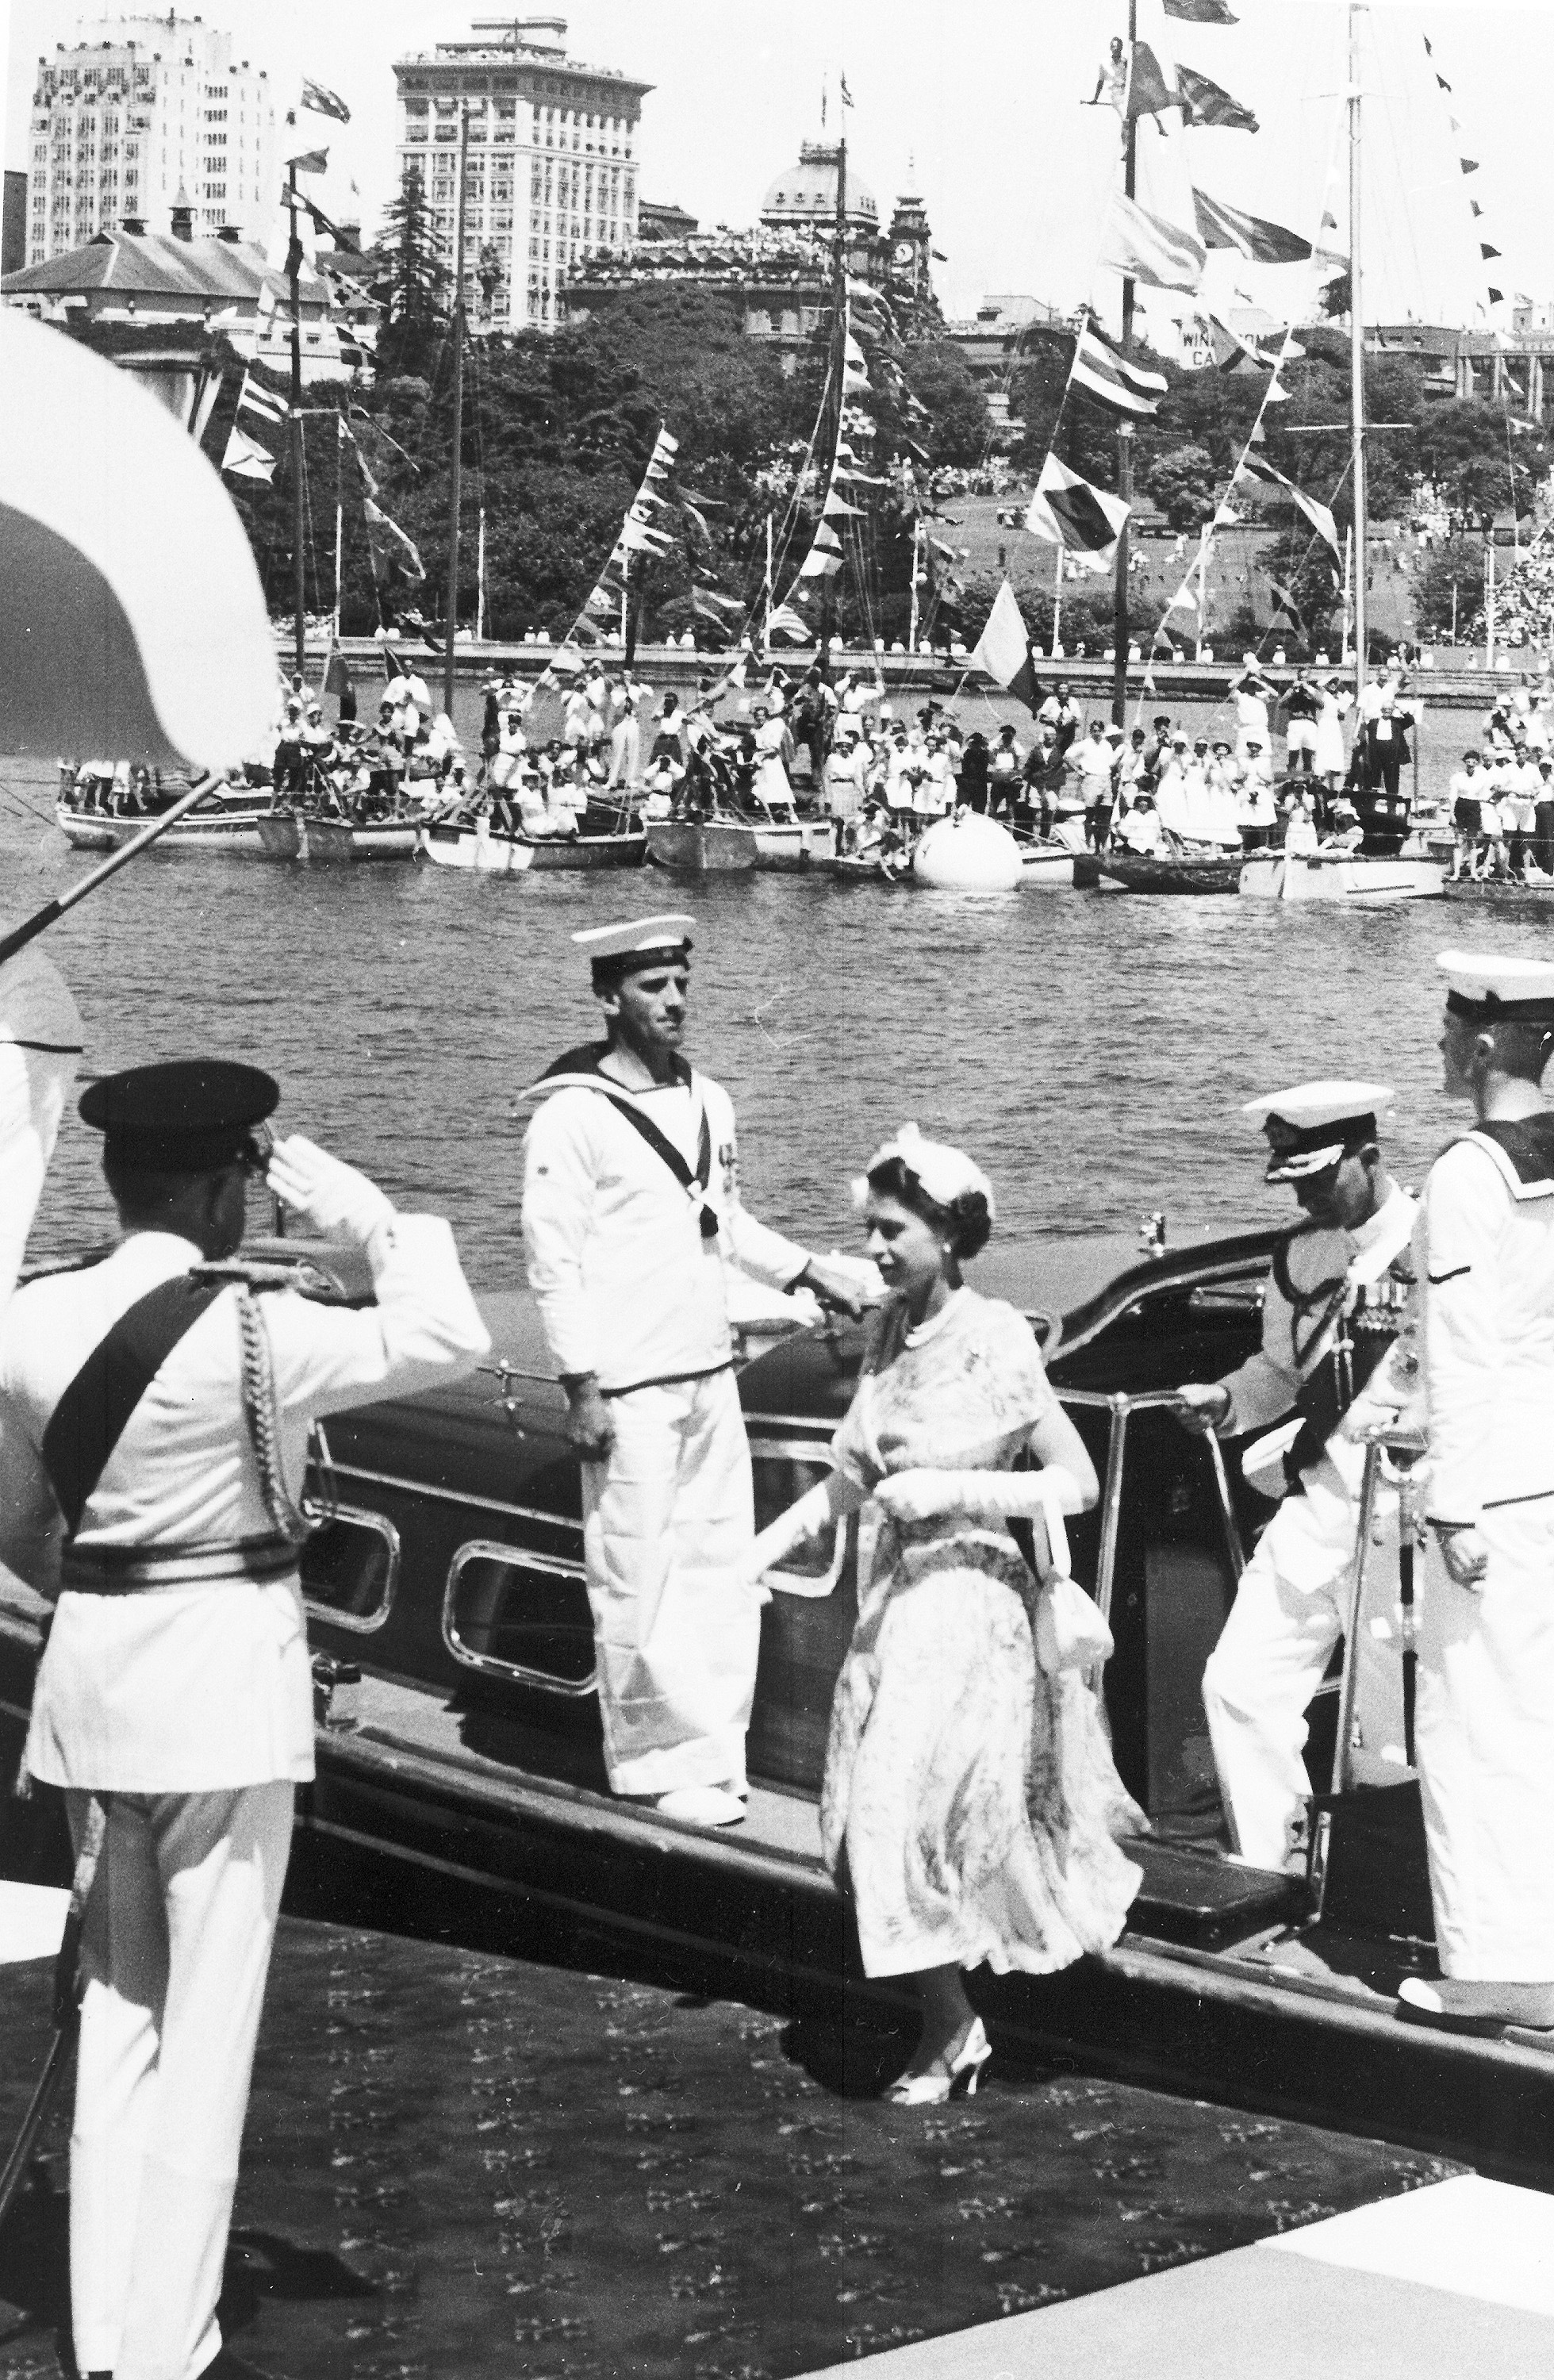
x=970, y=1802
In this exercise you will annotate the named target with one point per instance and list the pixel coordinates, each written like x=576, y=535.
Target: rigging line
x=16, y=795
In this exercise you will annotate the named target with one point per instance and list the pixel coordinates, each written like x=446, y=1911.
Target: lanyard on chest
x=694, y=1184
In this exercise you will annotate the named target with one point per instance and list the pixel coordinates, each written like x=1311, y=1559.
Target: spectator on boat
x=1349, y=1255
x=1300, y=837
x=286, y=767
x=1004, y=764
x=1302, y=705
x=1520, y=787
x=1058, y=713
x=174, y=1702
x=975, y=760
x=1094, y=765
x=631, y=1210
x=846, y=774
x=935, y=796
x=1156, y=747
x=1467, y=791
x=1171, y=791
x=625, y=744
x=1137, y=829
x=1485, y=1258
x=1257, y=813
x=1111, y=83
x=491, y=722
x=1543, y=815
x=1328, y=759
x=1254, y=696
x=970, y=1803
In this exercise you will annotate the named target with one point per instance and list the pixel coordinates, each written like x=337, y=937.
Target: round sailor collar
x=1522, y=1151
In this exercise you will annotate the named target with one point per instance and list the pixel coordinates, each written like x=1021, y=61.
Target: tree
x=1184, y=484
x=417, y=279
x=938, y=376
x=1453, y=570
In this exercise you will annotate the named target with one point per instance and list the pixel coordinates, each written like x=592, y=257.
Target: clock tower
x=910, y=245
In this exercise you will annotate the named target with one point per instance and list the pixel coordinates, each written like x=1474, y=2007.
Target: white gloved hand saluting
x=339, y=1203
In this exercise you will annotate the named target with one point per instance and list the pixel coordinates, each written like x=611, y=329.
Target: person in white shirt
x=1095, y=761
x=1004, y=764
x=631, y=1212
x=846, y=774
x=174, y=1701
x=1329, y=758
x=1111, y=83
x=626, y=741
x=1520, y=788
x=1254, y=693
x=1171, y=791
x=1467, y=791
x=1299, y=834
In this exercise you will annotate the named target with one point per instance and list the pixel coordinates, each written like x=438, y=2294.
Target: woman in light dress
x=971, y=1807
x=1327, y=760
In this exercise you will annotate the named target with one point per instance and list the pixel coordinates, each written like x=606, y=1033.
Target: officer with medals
x=631, y=1210
x=1331, y=1314
x=154, y=1413
x=1485, y=1255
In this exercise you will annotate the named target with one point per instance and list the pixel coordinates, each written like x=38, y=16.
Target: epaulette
x=305, y=1277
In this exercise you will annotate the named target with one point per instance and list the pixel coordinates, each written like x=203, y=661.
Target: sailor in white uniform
x=631, y=1210
x=1485, y=1253
x=154, y=1430
x=1338, y=1291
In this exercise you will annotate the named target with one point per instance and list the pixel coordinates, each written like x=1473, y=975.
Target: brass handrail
x=1122, y=1406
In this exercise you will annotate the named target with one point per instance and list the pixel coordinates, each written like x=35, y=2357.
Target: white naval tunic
x=629, y=1289
x=187, y=1708
x=1291, y=1606
x=201, y=1688
x=1484, y=1249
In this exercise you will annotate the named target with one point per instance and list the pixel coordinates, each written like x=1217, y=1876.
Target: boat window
x=785, y=1470
x=350, y=1569
x=510, y=1613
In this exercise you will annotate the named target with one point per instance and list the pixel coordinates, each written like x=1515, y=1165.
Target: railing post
x=1351, y=1623
x=1120, y=1407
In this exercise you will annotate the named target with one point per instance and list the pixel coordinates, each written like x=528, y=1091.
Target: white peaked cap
x=1489, y=982
x=1321, y=1120
x=945, y=1174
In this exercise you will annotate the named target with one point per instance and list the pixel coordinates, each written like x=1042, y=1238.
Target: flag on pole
x=310, y=161
x=846, y=94
x=1205, y=103
x=1265, y=243
x=246, y=458
x=1003, y=650
x=1200, y=12
x=1147, y=93
x=251, y=398
x=1112, y=379
x=1254, y=467
x=321, y=101
x=1067, y=510
x=377, y=519
x=1144, y=247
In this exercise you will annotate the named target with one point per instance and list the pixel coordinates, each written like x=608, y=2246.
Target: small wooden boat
x=482, y=850
x=1133, y=871
x=1352, y=878
x=298, y=834
x=702, y=847
x=784, y=841
x=227, y=821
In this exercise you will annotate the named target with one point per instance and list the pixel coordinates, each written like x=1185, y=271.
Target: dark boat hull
x=1136, y=873
x=716, y=847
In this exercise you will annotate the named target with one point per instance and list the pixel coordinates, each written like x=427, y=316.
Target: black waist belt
x=172, y=1569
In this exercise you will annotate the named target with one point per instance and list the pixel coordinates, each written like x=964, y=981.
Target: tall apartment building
x=122, y=124
x=551, y=174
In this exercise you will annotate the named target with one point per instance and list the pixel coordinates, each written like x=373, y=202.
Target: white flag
x=246, y=459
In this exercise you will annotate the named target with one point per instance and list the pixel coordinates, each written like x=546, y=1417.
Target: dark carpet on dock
x=464, y=2164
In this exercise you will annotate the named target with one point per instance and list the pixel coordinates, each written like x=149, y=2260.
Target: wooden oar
x=52, y=910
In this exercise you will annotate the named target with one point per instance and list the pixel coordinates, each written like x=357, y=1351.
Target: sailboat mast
x=456, y=485
x=1125, y=429
x=294, y=433
x=839, y=377
x=1357, y=352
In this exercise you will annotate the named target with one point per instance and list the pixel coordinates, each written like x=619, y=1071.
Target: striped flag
x=1143, y=247
x=1265, y=243
x=251, y=398
x=1111, y=380
x=1067, y=510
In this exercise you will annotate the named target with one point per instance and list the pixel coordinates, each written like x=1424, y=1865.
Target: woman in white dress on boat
x=1328, y=760
x=971, y=1807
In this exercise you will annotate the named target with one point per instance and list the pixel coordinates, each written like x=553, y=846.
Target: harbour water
x=1092, y=1049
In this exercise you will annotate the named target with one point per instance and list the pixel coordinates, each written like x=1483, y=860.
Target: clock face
x=904, y=252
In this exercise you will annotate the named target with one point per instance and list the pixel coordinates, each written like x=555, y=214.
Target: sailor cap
x=188, y=1115
x=631, y=949
x=1312, y=1126
x=1491, y=989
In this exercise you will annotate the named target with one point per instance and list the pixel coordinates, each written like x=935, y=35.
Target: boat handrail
x=1122, y=1407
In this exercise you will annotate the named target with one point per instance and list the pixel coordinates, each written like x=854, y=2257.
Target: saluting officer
x=154, y=1430
x=1331, y=1311
x=1484, y=1249
x=631, y=1210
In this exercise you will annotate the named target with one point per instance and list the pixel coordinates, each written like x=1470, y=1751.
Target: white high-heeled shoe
x=933, y=2089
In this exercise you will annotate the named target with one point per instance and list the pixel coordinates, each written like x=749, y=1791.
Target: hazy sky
x=982, y=94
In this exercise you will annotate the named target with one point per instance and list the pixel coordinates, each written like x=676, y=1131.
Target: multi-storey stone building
x=552, y=161
x=122, y=126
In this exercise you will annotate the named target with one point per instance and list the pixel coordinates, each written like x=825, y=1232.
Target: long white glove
x=1044, y=1495
x=340, y=1203
x=800, y=1525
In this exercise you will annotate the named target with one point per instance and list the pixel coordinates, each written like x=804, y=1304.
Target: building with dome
x=780, y=272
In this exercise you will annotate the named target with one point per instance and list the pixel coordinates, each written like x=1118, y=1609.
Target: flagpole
x=1357, y=355
x=765, y=621
x=912, y=623
x=480, y=578
x=339, y=519
x=455, y=485
x=839, y=353
x=1058, y=605
x=1125, y=429
x=293, y=428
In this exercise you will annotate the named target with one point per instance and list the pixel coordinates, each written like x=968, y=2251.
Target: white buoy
x=969, y=853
